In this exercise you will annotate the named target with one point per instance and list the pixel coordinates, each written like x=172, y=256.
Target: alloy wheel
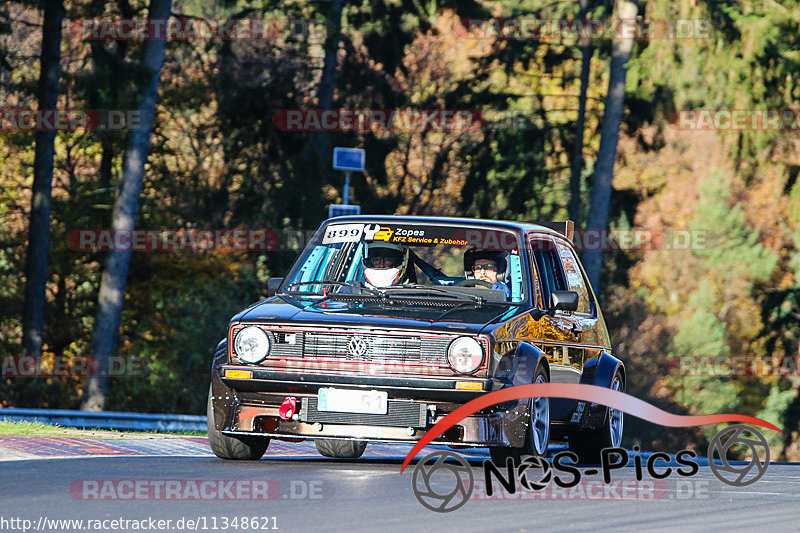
x=540, y=421
x=615, y=421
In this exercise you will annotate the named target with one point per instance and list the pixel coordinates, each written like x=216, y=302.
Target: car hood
x=466, y=318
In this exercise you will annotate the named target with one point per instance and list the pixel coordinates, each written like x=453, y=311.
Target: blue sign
x=341, y=210
x=349, y=159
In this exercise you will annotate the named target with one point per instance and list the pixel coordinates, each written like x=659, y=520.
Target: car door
x=561, y=333
x=564, y=339
x=587, y=317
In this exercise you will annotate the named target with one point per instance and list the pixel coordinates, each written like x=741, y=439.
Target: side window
x=548, y=267
x=575, y=279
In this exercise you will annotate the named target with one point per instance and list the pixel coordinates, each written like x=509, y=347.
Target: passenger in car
x=486, y=270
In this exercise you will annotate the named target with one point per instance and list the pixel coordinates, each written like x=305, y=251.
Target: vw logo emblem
x=357, y=347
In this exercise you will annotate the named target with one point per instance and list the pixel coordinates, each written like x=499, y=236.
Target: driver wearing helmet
x=385, y=264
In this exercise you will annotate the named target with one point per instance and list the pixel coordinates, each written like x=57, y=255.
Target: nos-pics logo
x=443, y=481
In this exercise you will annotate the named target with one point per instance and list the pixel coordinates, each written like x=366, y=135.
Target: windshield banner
x=419, y=235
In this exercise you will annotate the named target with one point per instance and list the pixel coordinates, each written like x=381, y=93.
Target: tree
x=576, y=166
x=39, y=232
x=609, y=135
x=126, y=207
x=320, y=141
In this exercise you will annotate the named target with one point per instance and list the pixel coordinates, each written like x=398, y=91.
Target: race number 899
x=343, y=233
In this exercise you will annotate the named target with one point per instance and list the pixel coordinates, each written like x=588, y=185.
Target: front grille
x=405, y=348
x=289, y=346
x=286, y=344
x=380, y=346
x=400, y=414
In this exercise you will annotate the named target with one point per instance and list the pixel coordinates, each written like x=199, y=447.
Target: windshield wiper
x=417, y=288
x=453, y=309
x=333, y=284
x=465, y=298
x=328, y=295
x=416, y=292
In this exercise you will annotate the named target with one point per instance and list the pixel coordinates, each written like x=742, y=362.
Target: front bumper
x=249, y=406
x=441, y=389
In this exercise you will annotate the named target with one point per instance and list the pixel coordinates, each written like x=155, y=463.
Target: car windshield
x=426, y=258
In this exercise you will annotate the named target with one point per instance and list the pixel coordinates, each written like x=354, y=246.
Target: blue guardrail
x=106, y=419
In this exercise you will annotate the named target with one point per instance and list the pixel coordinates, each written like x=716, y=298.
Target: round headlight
x=464, y=355
x=251, y=344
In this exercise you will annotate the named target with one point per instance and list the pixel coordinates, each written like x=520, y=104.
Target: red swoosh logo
x=573, y=391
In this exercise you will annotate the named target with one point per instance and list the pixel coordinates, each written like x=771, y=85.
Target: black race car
x=386, y=324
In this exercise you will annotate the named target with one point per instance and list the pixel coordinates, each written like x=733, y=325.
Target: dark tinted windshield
x=386, y=254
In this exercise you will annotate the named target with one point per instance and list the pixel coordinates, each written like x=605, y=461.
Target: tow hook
x=288, y=408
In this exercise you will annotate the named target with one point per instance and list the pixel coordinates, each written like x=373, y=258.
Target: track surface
x=311, y=493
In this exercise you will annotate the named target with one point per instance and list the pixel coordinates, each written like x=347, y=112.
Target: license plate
x=353, y=401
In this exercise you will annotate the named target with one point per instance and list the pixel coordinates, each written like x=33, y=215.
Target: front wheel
x=588, y=444
x=537, y=436
x=240, y=448
x=341, y=448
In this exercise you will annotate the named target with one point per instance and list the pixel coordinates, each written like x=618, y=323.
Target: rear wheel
x=588, y=444
x=341, y=448
x=537, y=436
x=240, y=448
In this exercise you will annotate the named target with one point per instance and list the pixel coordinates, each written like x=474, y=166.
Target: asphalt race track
x=295, y=489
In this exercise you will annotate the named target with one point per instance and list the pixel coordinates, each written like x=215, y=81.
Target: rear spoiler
x=566, y=228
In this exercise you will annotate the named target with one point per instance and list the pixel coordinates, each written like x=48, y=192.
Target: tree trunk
x=576, y=168
x=126, y=208
x=114, y=62
x=320, y=141
x=39, y=231
x=609, y=135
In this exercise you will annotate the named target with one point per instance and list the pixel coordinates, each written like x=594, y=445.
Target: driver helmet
x=384, y=263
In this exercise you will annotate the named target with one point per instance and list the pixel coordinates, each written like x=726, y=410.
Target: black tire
x=237, y=448
x=587, y=445
x=500, y=454
x=341, y=448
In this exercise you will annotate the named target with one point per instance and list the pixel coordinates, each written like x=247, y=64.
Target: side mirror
x=563, y=301
x=272, y=285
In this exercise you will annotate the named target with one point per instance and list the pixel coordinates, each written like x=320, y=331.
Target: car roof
x=522, y=226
